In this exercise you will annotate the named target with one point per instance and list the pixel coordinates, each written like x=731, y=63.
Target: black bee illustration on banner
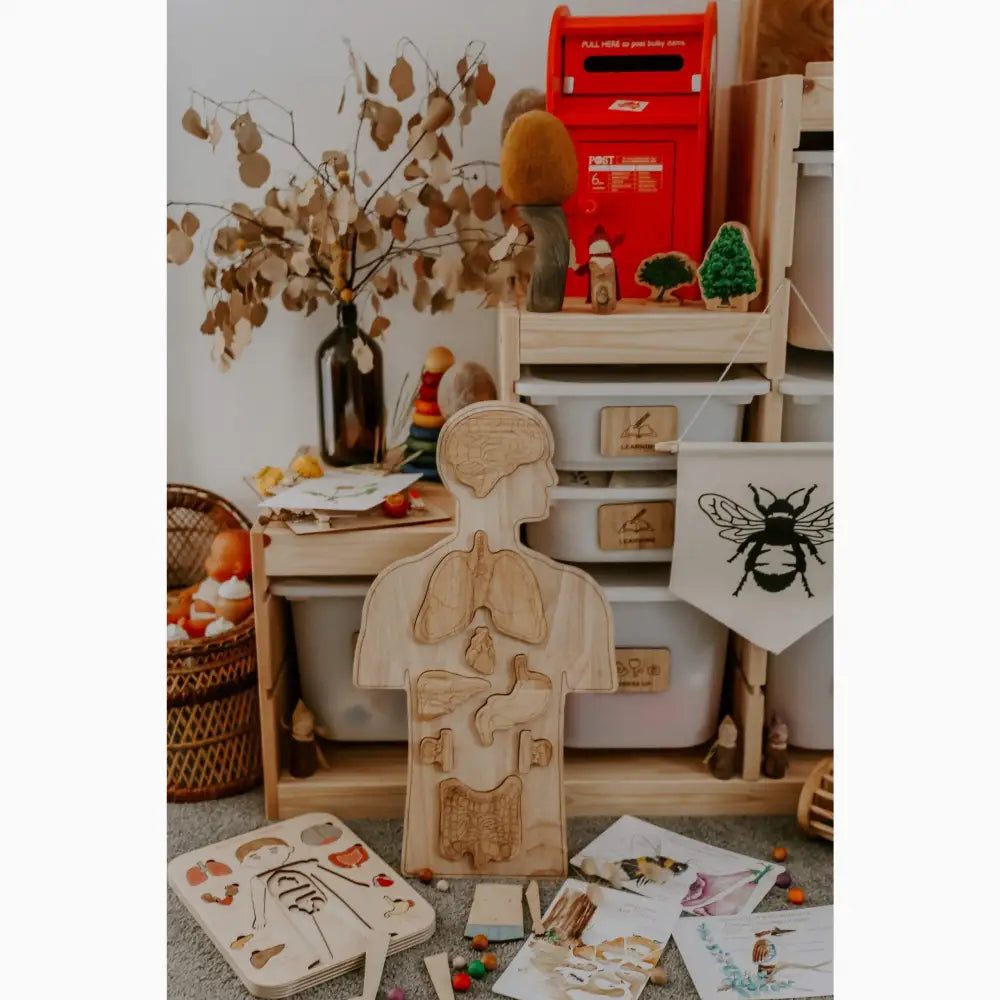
x=778, y=537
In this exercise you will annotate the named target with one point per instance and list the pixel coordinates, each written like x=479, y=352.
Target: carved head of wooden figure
x=504, y=446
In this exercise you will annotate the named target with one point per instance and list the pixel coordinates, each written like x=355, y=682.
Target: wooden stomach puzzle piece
x=448, y=623
x=526, y=700
x=486, y=825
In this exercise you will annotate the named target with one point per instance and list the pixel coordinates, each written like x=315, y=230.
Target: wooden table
x=368, y=780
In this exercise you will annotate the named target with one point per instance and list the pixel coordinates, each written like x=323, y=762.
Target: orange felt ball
x=796, y=896
x=480, y=942
x=537, y=160
x=779, y=853
x=490, y=961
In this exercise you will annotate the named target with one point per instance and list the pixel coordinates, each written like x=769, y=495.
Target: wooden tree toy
x=729, y=276
x=487, y=637
x=665, y=272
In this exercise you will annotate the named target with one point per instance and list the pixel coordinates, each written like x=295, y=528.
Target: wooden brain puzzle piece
x=486, y=825
x=440, y=692
x=526, y=700
x=463, y=582
x=487, y=637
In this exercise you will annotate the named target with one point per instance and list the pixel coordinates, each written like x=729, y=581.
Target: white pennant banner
x=754, y=537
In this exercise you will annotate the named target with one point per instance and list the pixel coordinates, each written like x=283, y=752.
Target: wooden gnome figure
x=602, y=272
x=722, y=758
x=776, y=751
x=304, y=751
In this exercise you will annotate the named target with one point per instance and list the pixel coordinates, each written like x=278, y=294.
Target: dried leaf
x=335, y=159
x=274, y=218
x=242, y=335
x=429, y=194
x=190, y=223
x=191, y=122
x=179, y=246
x=209, y=275
x=462, y=67
x=208, y=324
x=387, y=284
x=255, y=169
x=447, y=269
x=421, y=294
x=171, y=225
x=469, y=101
x=274, y=268
x=501, y=248
x=458, y=199
x=401, y=79
x=343, y=94
x=312, y=306
x=422, y=143
x=414, y=120
x=220, y=353
x=248, y=136
x=399, y=228
x=371, y=81
x=306, y=194
x=438, y=214
x=295, y=287
x=299, y=262
x=345, y=208
x=484, y=203
x=377, y=304
x=440, y=110
x=365, y=178
x=228, y=283
x=258, y=313
x=410, y=199
x=413, y=171
x=468, y=231
x=379, y=325
x=353, y=63
x=440, y=170
x=386, y=205
x=485, y=82
x=386, y=124
x=369, y=239
x=214, y=132
x=290, y=302
x=444, y=149
x=441, y=302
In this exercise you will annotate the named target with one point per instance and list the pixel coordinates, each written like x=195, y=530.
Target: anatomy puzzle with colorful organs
x=487, y=637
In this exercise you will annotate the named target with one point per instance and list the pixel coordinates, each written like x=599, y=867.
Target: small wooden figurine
x=776, y=751
x=722, y=758
x=603, y=291
x=488, y=637
x=729, y=276
x=303, y=757
x=538, y=173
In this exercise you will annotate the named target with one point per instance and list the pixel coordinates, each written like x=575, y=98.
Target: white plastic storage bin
x=800, y=689
x=607, y=523
x=326, y=617
x=807, y=387
x=812, y=251
x=649, y=617
x=610, y=418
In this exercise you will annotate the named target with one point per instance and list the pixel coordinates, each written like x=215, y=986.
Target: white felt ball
x=442, y=885
x=458, y=962
x=464, y=383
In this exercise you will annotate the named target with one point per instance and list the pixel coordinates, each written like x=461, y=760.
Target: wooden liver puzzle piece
x=487, y=637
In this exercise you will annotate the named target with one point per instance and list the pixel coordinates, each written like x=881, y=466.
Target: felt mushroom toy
x=538, y=173
x=235, y=600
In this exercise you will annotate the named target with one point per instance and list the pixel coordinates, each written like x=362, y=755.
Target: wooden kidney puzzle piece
x=440, y=973
x=531, y=752
x=496, y=912
x=439, y=750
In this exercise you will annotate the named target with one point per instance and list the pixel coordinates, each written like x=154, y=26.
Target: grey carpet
x=195, y=970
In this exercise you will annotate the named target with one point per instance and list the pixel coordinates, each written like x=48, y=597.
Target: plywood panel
x=782, y=36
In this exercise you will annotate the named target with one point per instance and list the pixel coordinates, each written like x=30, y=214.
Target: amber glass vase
x=351, y=402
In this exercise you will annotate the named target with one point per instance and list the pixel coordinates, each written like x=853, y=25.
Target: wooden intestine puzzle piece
x=487, y=636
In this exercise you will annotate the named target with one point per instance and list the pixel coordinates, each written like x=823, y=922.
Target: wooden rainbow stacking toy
x=427, y=417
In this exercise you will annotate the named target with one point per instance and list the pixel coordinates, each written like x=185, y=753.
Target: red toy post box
x=637, y=96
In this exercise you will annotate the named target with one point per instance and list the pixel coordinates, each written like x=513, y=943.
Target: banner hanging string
x=671, y=446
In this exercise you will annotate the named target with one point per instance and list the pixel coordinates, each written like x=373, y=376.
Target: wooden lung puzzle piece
x=487, y=637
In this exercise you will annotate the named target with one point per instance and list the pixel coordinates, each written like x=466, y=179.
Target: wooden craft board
x=367, y=521
x=496, y=912
x=307, y=900
x=487, y=637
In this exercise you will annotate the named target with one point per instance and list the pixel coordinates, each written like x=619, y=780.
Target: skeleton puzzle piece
x=487, y=637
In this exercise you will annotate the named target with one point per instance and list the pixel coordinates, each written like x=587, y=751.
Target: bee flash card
x=298, y=903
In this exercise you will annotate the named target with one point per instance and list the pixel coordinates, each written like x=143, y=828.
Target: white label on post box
x=628, y=105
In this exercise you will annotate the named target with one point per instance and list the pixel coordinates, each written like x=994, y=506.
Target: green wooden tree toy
x=729, y=276
x=666, y=272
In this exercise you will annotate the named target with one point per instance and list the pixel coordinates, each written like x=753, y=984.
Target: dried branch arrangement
x=332, y=234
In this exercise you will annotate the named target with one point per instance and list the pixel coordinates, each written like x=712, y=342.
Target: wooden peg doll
x=303, y=758
x=776, y=751
x=722, y=758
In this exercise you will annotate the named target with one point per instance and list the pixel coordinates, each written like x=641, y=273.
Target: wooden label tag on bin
x=625, y=527
x=634, y=430
x=643, y=671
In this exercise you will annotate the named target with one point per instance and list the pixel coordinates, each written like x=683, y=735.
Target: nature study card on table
x=781, y=953
x=704, y=880
x=344, y=491
x=598, y=942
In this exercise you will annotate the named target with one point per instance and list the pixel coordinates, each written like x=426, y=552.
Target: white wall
x=222, y=426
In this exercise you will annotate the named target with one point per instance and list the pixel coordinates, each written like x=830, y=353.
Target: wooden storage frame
x=757, y=131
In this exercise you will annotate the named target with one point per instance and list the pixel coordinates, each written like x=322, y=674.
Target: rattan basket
x=213, y=714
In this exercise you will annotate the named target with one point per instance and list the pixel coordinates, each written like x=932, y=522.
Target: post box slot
x=633, y=64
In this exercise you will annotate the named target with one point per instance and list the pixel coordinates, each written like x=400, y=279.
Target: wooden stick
x=440, y=973
x=534, y=908
x=375, y=953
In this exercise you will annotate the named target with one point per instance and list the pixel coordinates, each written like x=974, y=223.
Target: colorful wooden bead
x=461, y=982
x=658, y=976
x=477, y=969
x=425, y=875
x=490, y=961
x=458, y=962
x=783, y=881
x=779, y=853
x=796, y=896
x=480, y=942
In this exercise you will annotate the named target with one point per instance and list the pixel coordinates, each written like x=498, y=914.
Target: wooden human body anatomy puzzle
x=300, y=902
x=487, y=637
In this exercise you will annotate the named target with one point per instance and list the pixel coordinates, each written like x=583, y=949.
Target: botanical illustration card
x=598, y=942
x=348, y=491
x=704, y=880
x=782, y=954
